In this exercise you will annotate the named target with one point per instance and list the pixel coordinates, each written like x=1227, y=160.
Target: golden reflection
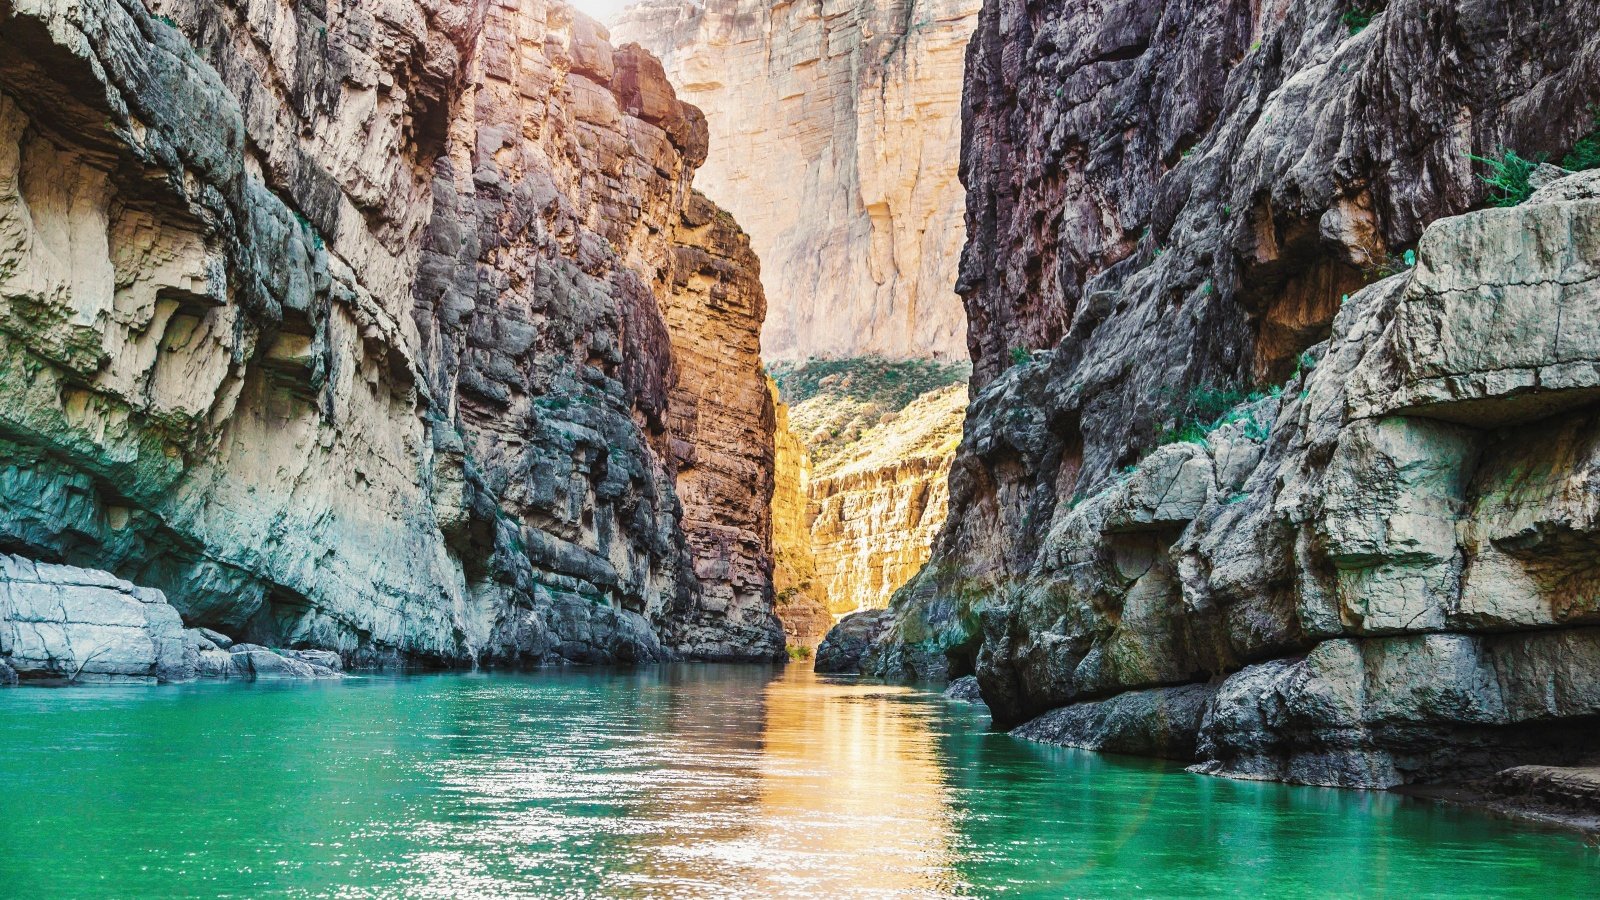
x=852, y=793
x=801, y=787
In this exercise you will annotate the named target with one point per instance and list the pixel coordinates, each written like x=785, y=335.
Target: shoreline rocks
x=64, y=624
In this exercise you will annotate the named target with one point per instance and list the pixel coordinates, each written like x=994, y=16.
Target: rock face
x=876, y=507
x=873, y=442
x=794, y=572
x=1303, y=487
x=351, y=328
x=835, y=132
x=66, y=624
x=722, y=423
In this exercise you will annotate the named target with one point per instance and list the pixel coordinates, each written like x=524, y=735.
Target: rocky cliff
x=1300, y=485
x=801, y=601
x=876, y=507
x=353, y=327
x=722, y=422
x=873, y=442
x=835, y=130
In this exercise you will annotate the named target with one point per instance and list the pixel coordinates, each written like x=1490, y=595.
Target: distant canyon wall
x=835, y=132
x=396, y=331
x=863, y=463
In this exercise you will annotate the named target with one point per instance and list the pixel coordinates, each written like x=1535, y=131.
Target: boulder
x=964, y=690
x=841, y=651
x=256, y=661
x=83, y=625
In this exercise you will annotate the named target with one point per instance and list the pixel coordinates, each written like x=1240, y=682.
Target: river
x=679, y=781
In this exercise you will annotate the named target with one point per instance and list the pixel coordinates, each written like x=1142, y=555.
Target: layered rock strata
x=794, y=573
x=349, y=328
x=872, y=442
x=875, y=508
x=1355, y=556
x=723, y=424
x=835, y=132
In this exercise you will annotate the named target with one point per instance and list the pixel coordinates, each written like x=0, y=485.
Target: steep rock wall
x=874, y=439
x=875, y=509
x=835, y=129
x=1351, y=577
x=344, y=327
x=794, y=572
x=723, y=425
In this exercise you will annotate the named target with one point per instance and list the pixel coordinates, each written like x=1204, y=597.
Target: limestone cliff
x=722, y=423
x=352, y=327
x=874, y=439
x=1300, y=486
x=835, y=131
x=875, y=508
x=794, y=571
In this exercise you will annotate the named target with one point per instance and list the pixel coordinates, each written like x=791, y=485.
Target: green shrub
x=798, y=652
x=1020, y=356
x=1509, y=178
x=1357, y=19
x=1586, y=152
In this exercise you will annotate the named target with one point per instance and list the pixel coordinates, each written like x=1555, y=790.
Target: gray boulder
x=256, y=661
x=964, y=690
x=84, y=625
x=841, y=651
x=1159, y=722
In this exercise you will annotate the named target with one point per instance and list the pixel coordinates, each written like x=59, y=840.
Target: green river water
x=682, y=781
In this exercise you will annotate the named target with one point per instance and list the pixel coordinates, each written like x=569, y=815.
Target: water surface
x=685, y=781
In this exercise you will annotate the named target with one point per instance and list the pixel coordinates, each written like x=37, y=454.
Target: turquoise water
x=691, y=781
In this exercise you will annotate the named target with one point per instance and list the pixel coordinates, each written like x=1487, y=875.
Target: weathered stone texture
x=80, y=625
x=875, y=508
x=1380, y=561
x=344, y=325
x=794, y=571
x=835, y=130
x=722, y=421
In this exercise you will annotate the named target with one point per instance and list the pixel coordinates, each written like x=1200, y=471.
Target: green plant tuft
x=1586, y=152
x=1509, y=178
x=1208, y=407
x=1020, y=356
x=1357, y=19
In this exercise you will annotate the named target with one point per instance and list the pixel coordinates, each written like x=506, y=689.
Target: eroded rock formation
x=722, y=423
x=836, y=131
x=876, y=507
x=353, y=327
x=794, y=572
x=1366, y=567
x=872, y=442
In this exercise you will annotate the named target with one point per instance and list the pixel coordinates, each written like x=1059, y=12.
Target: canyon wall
x=354, y=328
x=1300, y=482
x=836, y=129
x=801, y=604
x=873, y=439
x=876, y=507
